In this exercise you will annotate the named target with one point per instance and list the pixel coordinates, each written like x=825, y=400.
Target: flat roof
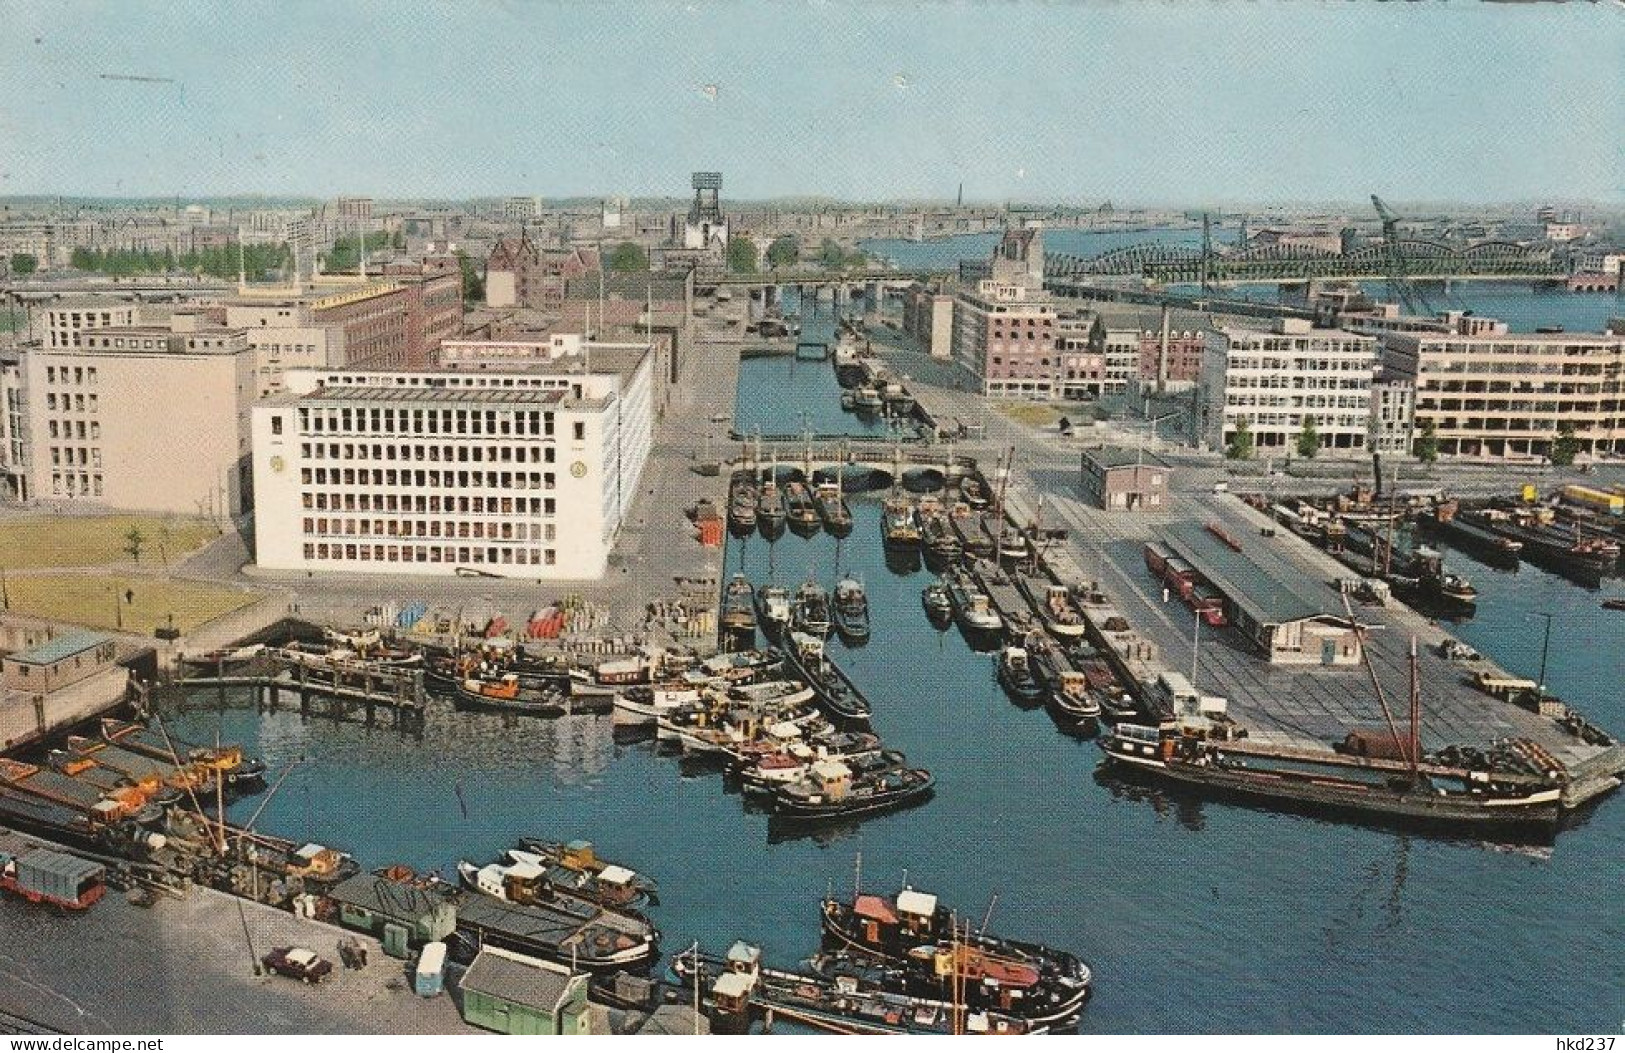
x=518, y=980
x=1123, y=457
x=379, y=393
x=65, y=645
x=1267, y=598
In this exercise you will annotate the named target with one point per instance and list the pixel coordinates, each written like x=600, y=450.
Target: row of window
x=70, y=455
x=430, y=503
x=75, y=403
x=407, y=528
x=1295, y=420
x=76, y=484
x=380, y=452
x=1351, y=402
x=389, y=422
x=404, y=477
x=74, y=429
x=460, y=554
x=1282, y=382
x=73, y=375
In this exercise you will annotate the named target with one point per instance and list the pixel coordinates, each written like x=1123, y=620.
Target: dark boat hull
x=1539, y=821
x=792, y=809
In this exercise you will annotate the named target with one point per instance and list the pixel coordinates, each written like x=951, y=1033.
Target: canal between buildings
x=1196, y=916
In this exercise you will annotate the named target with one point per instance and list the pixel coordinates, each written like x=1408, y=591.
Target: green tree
x=741, y=255
x=24, y=263
x=133, y=540
x=784, y=252
x=1241, y=443
x=830, y=253
x=1308, y=438
x=1427, y=443
x=399, y=240
x=473, y=284
x=628, y=256
x=1565, y=447
x=82, y=260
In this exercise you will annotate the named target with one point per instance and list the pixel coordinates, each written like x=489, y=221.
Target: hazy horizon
x=1232, y=106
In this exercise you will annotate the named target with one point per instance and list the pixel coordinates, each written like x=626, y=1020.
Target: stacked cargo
x=44, y=876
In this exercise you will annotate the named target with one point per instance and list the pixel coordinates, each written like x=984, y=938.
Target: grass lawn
x=91, y=541
x=87, y=599
x=1032, y=414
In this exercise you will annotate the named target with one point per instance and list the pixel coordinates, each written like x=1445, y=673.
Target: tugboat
x=972, y=609
x=742, y=499
x=909, y=930
x=802, y=512
x=867, y=399
x=739, y=607
x=770, y=511
x=773, y=609
x=851, y=611
x=242, y=773
x=974, y=492
x=1016, y=676
x=832, y=509
x=811, y=612
x=842, y=790
x=504, y=694
x=576, y=867
x=1054, y=605
x=939, y=608
x=1069, y=697
x=899, y=529
x=833, y=689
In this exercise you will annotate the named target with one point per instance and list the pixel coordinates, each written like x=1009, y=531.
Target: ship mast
x=1382, y=699
x=998, y=505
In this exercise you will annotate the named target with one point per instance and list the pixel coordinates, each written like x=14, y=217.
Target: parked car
x=298, y=963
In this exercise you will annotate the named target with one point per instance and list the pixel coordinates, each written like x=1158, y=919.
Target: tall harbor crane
x=1400, y=285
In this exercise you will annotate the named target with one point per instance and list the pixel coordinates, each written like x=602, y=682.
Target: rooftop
x=1266, y=597
x=423, y=396
x=1108, y=457
x=65, y=645
x=519, y=980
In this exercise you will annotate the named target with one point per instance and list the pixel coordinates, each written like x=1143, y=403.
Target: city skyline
x=1136, y=105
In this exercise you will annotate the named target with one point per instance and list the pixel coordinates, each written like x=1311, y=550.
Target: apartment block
x=1506, y=394
x=1276, y=379
x=512, y=459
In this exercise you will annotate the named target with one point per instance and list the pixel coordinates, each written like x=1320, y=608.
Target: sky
x=1136, y=103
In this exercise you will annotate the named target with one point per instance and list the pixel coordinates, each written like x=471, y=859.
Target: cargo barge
x=736, y=988
x=1485, y=802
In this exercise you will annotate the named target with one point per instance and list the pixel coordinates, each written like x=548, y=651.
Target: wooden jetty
x=333, y=687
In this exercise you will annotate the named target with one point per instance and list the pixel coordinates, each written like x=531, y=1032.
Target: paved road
x=183, y=967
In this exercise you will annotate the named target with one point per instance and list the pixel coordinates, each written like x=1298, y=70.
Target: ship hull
x=1537, y=815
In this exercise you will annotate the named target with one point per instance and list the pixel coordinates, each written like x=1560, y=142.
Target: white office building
x=517, y=465
x=1274, y=379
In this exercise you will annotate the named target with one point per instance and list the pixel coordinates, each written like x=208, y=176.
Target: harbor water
x=1196, y=916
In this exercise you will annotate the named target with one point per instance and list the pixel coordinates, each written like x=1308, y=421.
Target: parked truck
x=41, y=875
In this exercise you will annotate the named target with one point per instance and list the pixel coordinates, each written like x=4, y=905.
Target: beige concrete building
x=65, y=320
x=517, y=460
x=928, y=316
x=141, y=418
x=1276, y=379
x=1505, y=395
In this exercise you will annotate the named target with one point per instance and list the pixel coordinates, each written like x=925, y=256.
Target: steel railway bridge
x=1423, y=259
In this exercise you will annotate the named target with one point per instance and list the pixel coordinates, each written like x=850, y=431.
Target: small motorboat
x=939, y=607
x=1016, y=676
x=851, y=611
